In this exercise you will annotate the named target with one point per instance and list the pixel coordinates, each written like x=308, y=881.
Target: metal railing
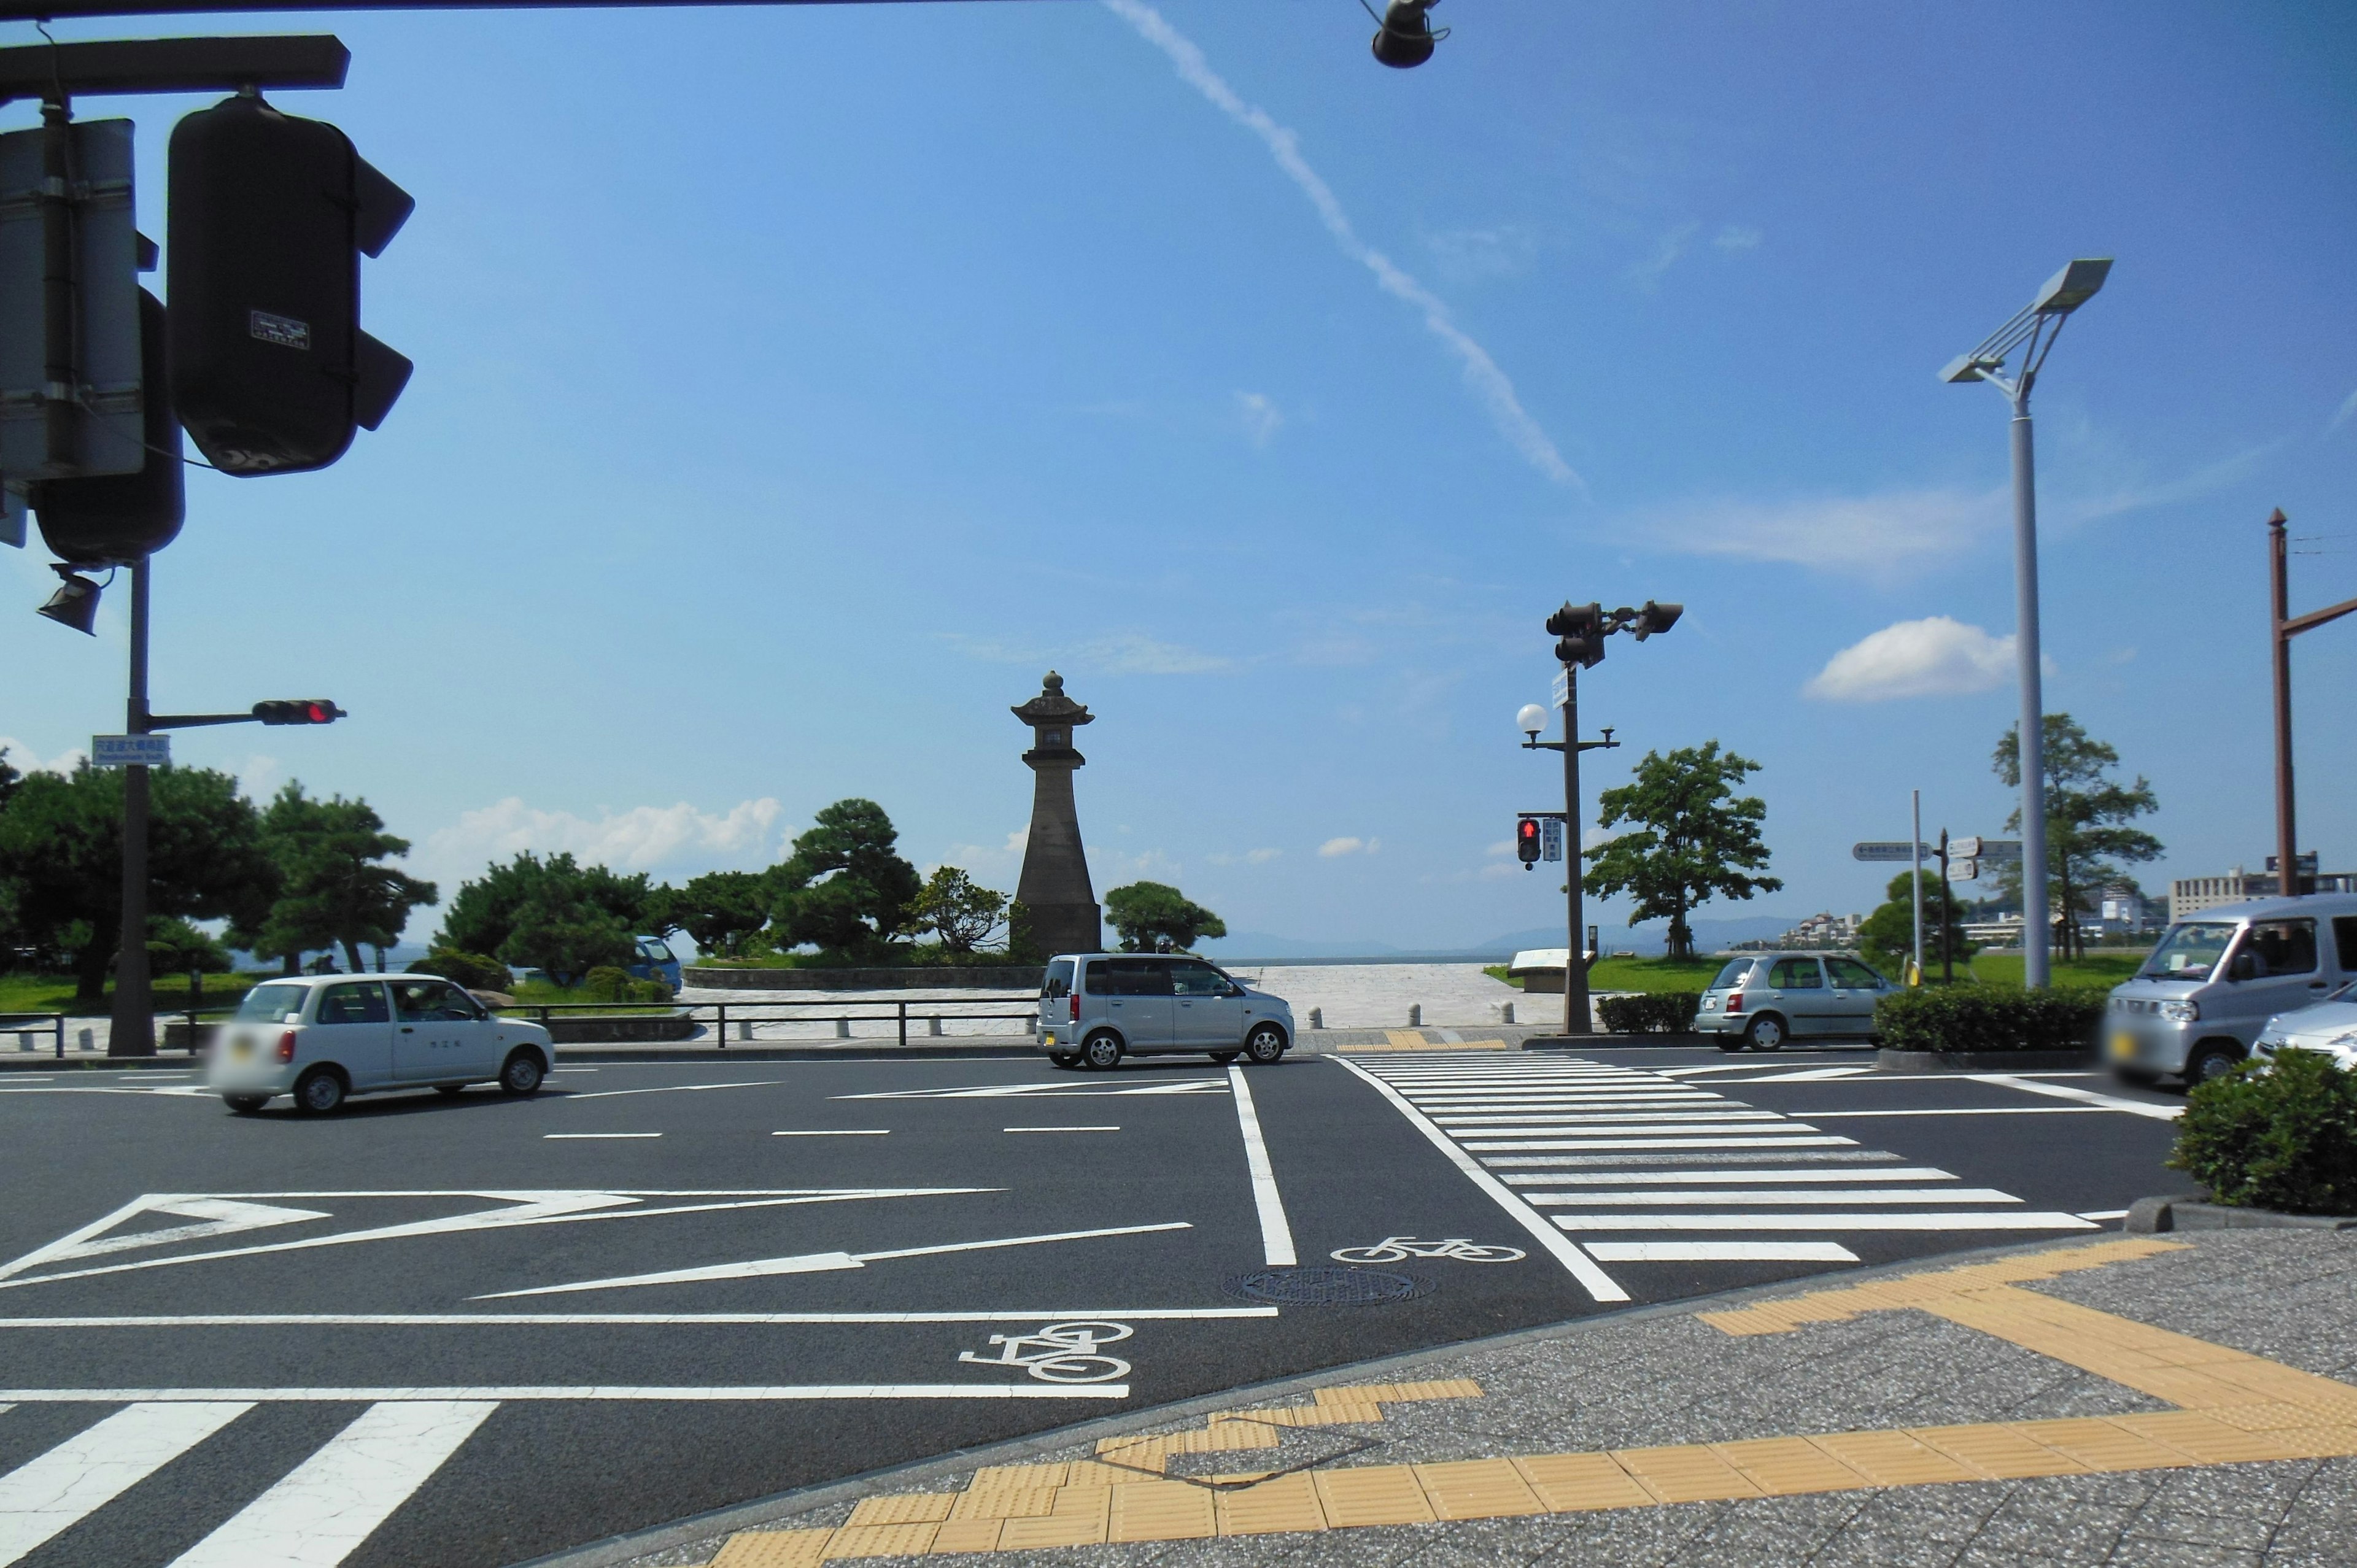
x=13, y=1023
x=928, y=1015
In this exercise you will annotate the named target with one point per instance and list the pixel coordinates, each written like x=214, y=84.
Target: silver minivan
x=2199, y=1002
x=1759, y=1000
x=1096, y=1008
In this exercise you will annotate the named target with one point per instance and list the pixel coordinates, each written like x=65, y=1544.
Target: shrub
x=1660, y=1013
x=473, y=971
x=607, y=983
x=2281, y=1134
x=1979, y=1019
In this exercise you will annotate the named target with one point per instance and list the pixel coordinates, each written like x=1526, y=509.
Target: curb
x=617, y=1551
x=2161, y=1216
x=1986, y=1062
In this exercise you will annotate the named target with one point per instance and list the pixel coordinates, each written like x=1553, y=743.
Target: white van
x=322, y=1037
x=1096, y=1008
x=2201, y=1000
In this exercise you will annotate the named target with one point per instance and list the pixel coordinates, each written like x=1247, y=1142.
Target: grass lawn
x=1647, y=974
x=55, y=992
x=528, y=991
x=2096, y=971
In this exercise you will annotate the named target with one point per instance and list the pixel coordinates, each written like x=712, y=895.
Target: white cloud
x=1504, y=846
x=1249, y=857
x=1470, y=255
x=1124, y=653
x=2347, y=412
x=1498, y=871
x=640, y=839
x=1872, y=536
x=1935, y=657
x=1735, y=237
x=1110, y=868
x=1260, y=417
x=1336, y=847
x=1647, y=274
x=24, y=759
x=983, y=857
x=1490, y=383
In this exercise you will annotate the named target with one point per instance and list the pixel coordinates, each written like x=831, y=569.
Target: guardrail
x=13, y=1023
x=928, y=1015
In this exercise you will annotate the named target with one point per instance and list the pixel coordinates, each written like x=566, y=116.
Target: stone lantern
x=1063, y=912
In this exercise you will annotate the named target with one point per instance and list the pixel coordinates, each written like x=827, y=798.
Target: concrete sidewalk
x=2131, y=1400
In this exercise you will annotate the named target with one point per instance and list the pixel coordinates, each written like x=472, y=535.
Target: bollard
x=86, y=1040
x=933, y=1026
x=1505, y=1011
x=1415, y=1015
x=843, y=1028
x=745, y=1029
x=25, y=1040
x=1317, y=1017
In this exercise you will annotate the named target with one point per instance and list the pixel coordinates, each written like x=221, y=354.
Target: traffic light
x=1405, y=37
x=1655, y=618
x=303, y=711
x=270, y=215
x=1579, y=633
x=1528, y=841
x=115, y=519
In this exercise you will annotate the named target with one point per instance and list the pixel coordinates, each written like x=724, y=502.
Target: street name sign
x=1550, y=839
x=130, y=750
x=1889, y=849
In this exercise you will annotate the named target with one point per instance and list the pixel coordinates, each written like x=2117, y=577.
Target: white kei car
x=2328, y=1027
x=324, y=1037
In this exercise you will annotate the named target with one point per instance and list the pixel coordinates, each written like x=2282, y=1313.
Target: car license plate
x=1052, y=1037
x=2124, y=1047
x=241, y=1045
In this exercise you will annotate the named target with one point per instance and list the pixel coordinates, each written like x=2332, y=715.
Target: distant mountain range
x=1649, y=939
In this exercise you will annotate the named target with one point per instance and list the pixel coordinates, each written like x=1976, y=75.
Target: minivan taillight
x=1734, y=1001
x=1076, y=1006
x=287, y=1045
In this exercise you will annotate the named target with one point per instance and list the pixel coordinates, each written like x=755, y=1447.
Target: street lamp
x=1579, y=632
x=1404, y=35
x=2029, y=332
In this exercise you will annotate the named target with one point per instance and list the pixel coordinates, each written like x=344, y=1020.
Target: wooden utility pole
x=2284, y=626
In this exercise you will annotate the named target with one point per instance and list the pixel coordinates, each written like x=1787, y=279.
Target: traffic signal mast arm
x=302, y=711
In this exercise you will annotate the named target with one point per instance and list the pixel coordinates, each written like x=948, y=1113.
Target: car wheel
x=1730, y=1044
x=2213, y=1060
x=245, y=1105
x=521, y=1073
x=320, y=1091
x=1766, y=1033
x=1265, y=1045
x=1224, y=1057
x=1100, y=1053
x=1067, y=1059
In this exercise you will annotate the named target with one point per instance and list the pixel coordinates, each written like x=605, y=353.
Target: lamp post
x=2030, y=331
x=1579, y=632
x=2284, y=626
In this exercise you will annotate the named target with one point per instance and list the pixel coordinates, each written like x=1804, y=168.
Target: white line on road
x=1275, y=1234
x=621, y=1319
x=2085, y=1096
x=1810, y=1075
x=672, y=1089
x=1845, y=1194
x=1658, y=1178
x=2103, y=1214
x=1643, y=1130
x=2012, y=1220
x=1598, y=1284
x=1970, y=1111
x=561, y=1136
x=327, y=1505
x=1060, y=1129
x=1722, y=1251
x=1561, y=1144
x=836, y=1133
x=503, y=1393
x=94, y=1466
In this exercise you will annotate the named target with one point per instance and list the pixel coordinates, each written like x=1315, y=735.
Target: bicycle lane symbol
x=1399, y=1249
x=1059, y=1353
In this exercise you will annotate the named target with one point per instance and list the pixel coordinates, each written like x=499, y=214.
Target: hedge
x=473, y=971
x=1978, y=1018
x=1660, y=1013
x=2279, y=1134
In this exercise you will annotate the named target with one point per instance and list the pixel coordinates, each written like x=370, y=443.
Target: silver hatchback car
x=1096, y=1008
x=1759, y=1000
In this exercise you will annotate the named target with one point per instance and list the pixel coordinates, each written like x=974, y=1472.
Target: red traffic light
x=1528, y=841
x=301, y=711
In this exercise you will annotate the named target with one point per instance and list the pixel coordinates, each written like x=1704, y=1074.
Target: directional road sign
x=1551, y=840
x=130, y=750
x=1893, y=850
x=1985, y=849
x=1964, y=870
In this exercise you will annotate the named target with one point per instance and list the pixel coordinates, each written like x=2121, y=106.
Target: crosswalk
x=312, y=1517
x=1639, y=1167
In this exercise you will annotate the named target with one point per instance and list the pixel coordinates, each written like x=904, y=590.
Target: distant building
x=2189, y=894
x=2123, y=911
x=1823, y=930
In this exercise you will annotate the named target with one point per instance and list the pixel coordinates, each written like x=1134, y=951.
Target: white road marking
x=1275, y=1234
x=2103, y=1214
x=319, y=1513
x=1969, y=1111
x=216, y=1217
x=568, y=1319
x=1846, y=1194
x=1722, y=1251
x=1047, y=1091
x=1640, y=1178
x=835, y=1133
x=560, y=1136
x=2011, y=1220
x=507, y=1393
x=1696, y=1116
x=524, y=1208
x=1060, y=1129
x=1775, y=1127
x=1600, y=1285
x=2085, y=1096
x=821, y=1262
x=672, y=1089
x=1810, y=1075
x=58, y=1489
x=1566, y=1162
x=1561, y=1144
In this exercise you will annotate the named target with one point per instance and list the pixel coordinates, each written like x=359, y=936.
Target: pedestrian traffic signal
x=270, y=215
x=1528, y=841
x=1579, y=633
x=304, y=711
x=114, y=519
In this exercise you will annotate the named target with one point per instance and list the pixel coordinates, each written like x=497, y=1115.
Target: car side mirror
x=2244, y=967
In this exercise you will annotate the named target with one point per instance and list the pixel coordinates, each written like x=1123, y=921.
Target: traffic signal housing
x=1528, y=841
x=270, y=215
x=114, y=519
x=300, y=711
x=1579, y=632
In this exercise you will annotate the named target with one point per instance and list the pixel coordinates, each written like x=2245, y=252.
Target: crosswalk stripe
x=1722, y=1252
x=1535, y=1145
x=60, y=1487
x=2010, y=1220
x=1674, y=1199
x=335, y=1499
x=1627, y=1178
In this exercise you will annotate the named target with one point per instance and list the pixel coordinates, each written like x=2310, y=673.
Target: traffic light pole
x=2284, y=626
x=1575, y=1017
x=132, y=1032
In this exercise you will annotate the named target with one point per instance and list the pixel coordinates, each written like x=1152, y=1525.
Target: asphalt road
x=474, y=1330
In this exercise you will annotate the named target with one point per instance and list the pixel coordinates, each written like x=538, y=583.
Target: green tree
x=1153, y=916
x=844, y=889
x=484, y=912
x=176, y=947
x=334, y=890
x=1888, y=936
x=961, y=912
x=566, y=933
x=721, y=910
x=61, y=851
x=1693, y=840
x=2087, y=817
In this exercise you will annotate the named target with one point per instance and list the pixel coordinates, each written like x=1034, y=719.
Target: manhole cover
x=1324, y=1285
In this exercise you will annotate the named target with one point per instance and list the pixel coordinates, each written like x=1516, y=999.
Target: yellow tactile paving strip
x=1414, y=1040
x=2233, y=1408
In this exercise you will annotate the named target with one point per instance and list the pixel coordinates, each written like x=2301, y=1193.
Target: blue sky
x=795, y=385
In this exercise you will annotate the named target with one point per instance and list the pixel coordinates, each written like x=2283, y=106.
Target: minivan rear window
x=1058, y=980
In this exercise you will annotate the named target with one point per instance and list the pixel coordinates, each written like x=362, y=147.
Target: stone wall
x=1000, y=977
